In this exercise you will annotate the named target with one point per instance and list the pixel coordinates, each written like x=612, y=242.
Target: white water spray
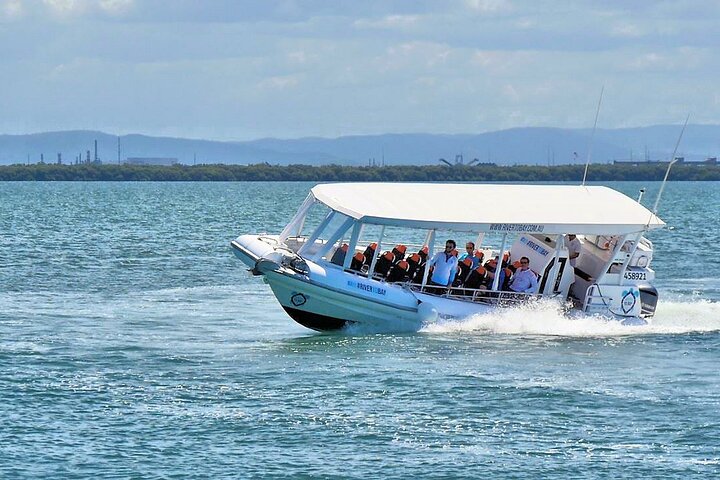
x=549, y=318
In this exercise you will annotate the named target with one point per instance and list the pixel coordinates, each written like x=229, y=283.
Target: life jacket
x=480, y=256
x=463, y=271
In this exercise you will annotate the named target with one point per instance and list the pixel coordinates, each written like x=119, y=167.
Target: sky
x=241, y=70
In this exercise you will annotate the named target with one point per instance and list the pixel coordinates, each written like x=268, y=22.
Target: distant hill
x=517, y=146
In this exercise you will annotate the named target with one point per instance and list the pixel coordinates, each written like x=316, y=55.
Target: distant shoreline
x=335, y=173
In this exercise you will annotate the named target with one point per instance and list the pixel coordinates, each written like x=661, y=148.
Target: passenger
x=480, y=256
x=338, y=257
x=470, y=253
x=491, y=266
x=464, y=269
x=445, y=265
x=574, y=249
x=477, y=278
x=508, y=278
x=524, y=280
x=357, y=262
x=398, y=272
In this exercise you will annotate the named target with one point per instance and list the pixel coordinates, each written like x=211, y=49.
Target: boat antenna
x=673, y=159
x=587, y=161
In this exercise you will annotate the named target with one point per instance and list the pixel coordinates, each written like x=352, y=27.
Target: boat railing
x=478, y=295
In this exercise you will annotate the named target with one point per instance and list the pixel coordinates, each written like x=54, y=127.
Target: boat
x=358, y=253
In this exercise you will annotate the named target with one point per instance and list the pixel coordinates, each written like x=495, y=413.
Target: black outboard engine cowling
x=648, y=299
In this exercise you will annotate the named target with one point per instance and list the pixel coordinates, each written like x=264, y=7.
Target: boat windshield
x=305, y=222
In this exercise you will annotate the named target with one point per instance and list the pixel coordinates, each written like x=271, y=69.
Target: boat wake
x=673, y=316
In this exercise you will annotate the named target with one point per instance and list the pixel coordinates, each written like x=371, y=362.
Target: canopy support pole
x=615, y=252
x=431, y=245
x=552, y=281
x=336, y=237
x=629, y=257
x=357, y=228
x=498, y=267
x=311, y=240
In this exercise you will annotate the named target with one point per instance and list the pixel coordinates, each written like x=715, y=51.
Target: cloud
x=243, y=68
x=116, y=7
x=279, y=82
x=11, y=9
x=399, y=22
x=488, y=6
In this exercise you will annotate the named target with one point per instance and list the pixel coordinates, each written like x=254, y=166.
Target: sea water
x=134, y=345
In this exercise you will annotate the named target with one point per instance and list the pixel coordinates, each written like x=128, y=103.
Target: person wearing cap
x=445, y=265
x=524, y=280
x=574, y=249
x=470, y=253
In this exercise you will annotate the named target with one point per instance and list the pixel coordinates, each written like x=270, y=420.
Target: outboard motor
x=648, y=299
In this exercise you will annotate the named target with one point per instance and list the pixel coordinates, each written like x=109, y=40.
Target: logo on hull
x=298, y=299
x=628, y=301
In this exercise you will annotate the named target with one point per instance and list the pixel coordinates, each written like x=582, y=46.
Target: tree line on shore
x=341, y=173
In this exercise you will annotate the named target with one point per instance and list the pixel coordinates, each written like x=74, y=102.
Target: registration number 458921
x=635, y=276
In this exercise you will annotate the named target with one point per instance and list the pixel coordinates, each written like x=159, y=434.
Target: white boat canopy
x=549, y=209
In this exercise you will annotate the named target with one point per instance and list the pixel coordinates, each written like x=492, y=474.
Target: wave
x=549, y=318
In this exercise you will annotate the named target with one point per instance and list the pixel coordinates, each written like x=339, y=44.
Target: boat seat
x=399, y=252
x=383, y=264
x=370, y=253
x=420, y=273
x=338, y=258
x=398, y=272
x=414, y=262
x=357, y=262
x=423, y=252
